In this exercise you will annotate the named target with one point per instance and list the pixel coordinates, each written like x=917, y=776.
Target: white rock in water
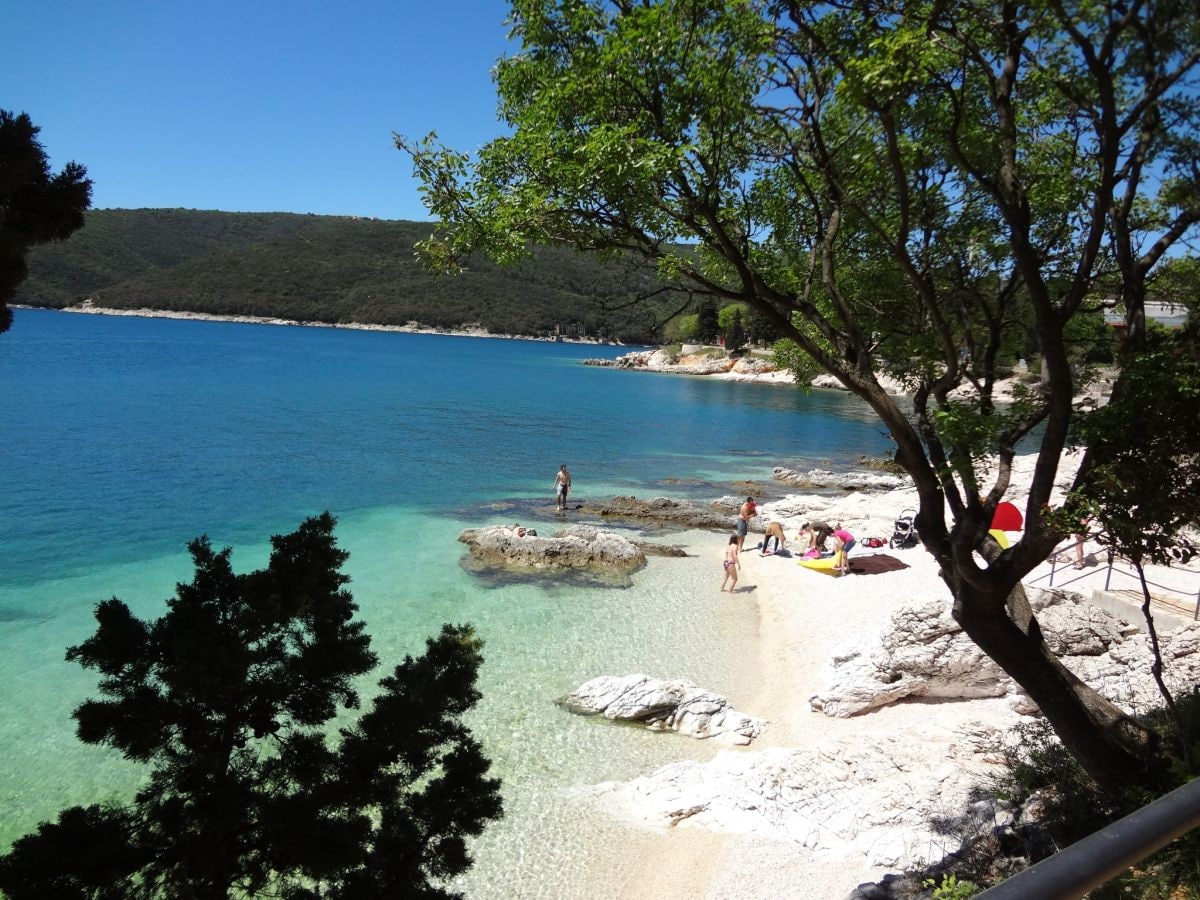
x=664, y=705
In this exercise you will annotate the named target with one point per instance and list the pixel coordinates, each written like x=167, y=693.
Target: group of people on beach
x=813, y=535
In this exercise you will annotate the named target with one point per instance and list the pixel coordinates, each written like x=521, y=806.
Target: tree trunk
x=1114, y=749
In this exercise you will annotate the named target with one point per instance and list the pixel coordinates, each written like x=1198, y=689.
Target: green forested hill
x=331, y=269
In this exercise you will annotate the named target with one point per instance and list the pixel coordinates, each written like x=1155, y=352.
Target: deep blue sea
x=121, y=439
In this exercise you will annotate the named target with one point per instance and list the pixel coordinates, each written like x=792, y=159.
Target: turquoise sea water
x=121, y=439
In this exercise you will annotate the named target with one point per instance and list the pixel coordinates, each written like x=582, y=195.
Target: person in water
x=731, y=563
x=774, y=530
x=562, y=486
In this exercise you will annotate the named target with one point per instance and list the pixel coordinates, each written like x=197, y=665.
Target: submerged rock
x=672, y=705
x=666, y=511
x=846, y=481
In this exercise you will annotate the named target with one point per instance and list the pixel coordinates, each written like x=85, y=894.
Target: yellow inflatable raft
x=825, y=564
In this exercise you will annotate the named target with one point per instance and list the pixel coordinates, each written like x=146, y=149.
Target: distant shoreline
x=351, y=326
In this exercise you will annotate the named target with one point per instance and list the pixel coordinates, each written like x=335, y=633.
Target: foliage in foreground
x=1073, y=806
x=36, y=206
x=227, y=697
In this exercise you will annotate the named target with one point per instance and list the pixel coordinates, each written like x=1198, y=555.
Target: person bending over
x=774, y=530
x=843, y=541
x=817, y=533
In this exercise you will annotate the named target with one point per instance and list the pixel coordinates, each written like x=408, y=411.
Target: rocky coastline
x=715, y=363
x=89, y=308
x=884, y=717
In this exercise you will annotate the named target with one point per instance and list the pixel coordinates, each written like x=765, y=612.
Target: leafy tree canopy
x=228, y=697
x=917, y=188
x=36, y=206
x=337, y=269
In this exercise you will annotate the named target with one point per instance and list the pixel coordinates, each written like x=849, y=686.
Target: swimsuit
x=742, y=527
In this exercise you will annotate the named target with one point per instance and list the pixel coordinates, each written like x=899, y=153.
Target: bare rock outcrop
x=924, y=653
x=1123, y=673
x=921, y=653
x=664, y=705
x=880, y=795
x=749, y=365
x=666, y=511
x=700, y=363
x=575, y=547
x=846, y=481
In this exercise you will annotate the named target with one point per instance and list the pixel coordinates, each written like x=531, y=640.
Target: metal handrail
x=1102, y=856
x=1049, y=576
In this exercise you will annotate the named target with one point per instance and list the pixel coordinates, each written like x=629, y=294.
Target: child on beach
x=731, y=564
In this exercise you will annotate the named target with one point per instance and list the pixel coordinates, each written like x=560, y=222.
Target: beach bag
x=873, y=542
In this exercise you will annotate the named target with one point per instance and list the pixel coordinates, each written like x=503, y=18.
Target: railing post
x=1099, y=857
x=1108, y=574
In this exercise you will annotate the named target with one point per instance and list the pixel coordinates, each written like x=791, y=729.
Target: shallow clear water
x=121, y=439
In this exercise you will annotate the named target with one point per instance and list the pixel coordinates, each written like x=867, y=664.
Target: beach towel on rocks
x=874, y=564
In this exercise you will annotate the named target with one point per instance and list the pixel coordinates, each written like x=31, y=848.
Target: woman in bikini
x=731, y=564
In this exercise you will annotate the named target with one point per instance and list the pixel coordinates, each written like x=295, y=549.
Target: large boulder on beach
x=663, y=705
x=1123, y=673
x=879, y=795
x=923, y=653
x=749, y=365
x=846, y=481
x=575, y=547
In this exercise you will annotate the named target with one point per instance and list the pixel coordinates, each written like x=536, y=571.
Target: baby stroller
x=905, y=534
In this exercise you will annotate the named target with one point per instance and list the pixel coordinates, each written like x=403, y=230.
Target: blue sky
x=254, y=105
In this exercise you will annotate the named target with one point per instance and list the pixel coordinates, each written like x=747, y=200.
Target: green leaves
x=35, y=205
x=228, y=697
x=1143, y=487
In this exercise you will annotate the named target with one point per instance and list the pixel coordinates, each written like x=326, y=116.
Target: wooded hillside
x=332, y=269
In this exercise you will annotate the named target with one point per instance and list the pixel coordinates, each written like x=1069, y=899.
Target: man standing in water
x=562, y=485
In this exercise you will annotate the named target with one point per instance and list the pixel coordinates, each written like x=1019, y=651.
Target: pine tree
x=228, y=697
x=35, y=206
